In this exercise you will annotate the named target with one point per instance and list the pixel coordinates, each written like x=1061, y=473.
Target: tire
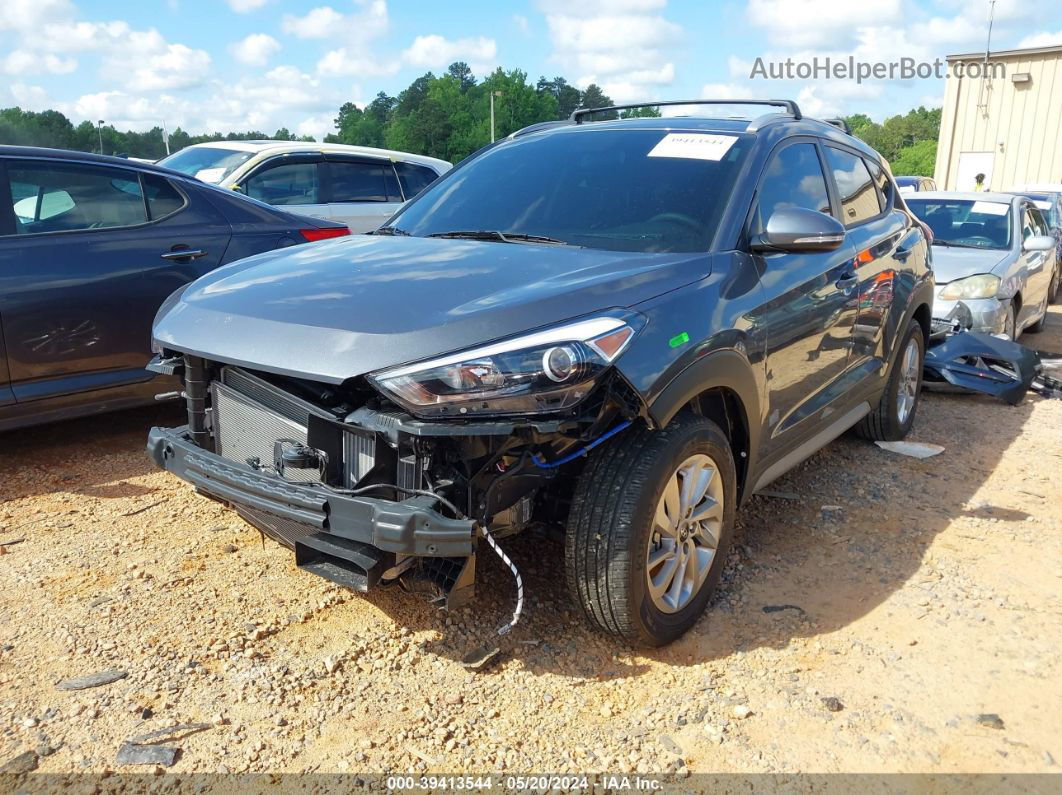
x=613, y=523
x=1056, y=277
x=885, y=423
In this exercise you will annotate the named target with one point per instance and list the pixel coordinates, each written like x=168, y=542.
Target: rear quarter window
x=857, y=191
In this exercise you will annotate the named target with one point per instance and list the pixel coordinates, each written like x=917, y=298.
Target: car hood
x=950, y=263
x=333, y=310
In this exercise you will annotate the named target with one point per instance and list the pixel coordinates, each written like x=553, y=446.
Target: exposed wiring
x=543, y=464
x=516, y=575
x=403, y=490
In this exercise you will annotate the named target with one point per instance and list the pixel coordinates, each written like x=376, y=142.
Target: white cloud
x=320, y=23
x=29, y=15
x=245, y=6
x=1043, y=39
x=282, y=97
x=20, y=62
x=355, y=61
x=435, y=51
x=145, y=61
x=29, y=97
x=255, y=50
x=803, y=23
x=622, y=45
x=369, y=21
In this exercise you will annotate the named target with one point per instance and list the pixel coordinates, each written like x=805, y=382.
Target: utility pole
x=99, y=129
x=166, y=138
x=493, y=94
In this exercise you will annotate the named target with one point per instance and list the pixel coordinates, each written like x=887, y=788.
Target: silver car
x=992, y=252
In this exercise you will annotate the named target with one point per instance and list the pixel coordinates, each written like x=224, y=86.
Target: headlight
x=983, y=285
x=546, y=371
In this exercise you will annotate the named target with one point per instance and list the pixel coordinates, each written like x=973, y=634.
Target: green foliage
x=916, y=160
x=908, y=142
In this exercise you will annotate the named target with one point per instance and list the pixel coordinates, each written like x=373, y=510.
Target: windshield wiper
x=390, y=230
x=501, y=237
x=949, y=244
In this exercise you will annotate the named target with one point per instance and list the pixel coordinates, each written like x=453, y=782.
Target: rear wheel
x=894, y=415
x=650, y=527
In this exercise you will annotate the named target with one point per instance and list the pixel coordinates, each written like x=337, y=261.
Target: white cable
x=519, y=582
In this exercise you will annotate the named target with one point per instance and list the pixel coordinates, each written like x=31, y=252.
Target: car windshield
x=965, y=222
x=208, y=163
x=620, y=190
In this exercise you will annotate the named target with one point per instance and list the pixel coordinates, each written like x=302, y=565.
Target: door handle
x=846, y=282
x=184, y=253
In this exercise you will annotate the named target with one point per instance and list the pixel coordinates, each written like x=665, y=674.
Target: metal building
x=1002, y=118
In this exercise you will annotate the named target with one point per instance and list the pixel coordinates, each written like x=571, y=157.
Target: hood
x=333, y=310
x=951, y=263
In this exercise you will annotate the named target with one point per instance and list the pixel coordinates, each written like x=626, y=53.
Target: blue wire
x=542, y=464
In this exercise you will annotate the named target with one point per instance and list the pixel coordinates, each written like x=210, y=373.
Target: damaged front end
x=364, y=491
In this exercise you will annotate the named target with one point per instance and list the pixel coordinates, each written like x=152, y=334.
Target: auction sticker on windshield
x=694, y=146
x=990, y=208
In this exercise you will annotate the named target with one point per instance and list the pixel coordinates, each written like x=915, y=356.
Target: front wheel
x=894, y=415
x=650, y=527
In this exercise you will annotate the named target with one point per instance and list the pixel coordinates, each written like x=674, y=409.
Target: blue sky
x=224, y=65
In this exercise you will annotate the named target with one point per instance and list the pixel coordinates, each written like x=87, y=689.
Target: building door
x=970, y=165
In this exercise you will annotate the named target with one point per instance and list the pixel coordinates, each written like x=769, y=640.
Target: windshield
x=207, y=163
x=965, y=222
x=621, y=190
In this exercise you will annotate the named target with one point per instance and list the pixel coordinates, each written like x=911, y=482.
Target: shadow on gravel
x=38, y=460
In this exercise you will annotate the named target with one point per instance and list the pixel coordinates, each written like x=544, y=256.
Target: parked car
x=90, y=246
x=994, y=253
x=624, y=327
x=356, y=185
x=1049, y=203
x=915, y=184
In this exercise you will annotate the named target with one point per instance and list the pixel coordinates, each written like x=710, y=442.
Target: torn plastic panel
x=991, y=365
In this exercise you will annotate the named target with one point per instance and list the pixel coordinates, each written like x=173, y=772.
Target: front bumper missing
x=410, y=527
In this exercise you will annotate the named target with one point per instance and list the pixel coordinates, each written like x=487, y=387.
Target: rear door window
x=286, y=184
x=414, y=178
x=857, y=191
x=359, y=181
x=62, y=197
x=794, y=178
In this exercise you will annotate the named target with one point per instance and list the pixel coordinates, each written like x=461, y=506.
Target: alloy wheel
x=685, y=534
x=908, y=391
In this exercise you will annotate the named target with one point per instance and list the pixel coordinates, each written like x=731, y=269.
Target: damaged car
x=624, y=328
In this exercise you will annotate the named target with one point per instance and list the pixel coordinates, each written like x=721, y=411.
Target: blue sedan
x=90, y=247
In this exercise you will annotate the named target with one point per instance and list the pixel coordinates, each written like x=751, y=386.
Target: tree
x=463, y=74
x=567, y=95
x=648, y=112
x=919, y=159
x=594, y=97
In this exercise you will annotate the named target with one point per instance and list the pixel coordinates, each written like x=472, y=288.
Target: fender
x=727, y=369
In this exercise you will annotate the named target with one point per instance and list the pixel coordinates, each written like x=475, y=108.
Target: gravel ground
x=880, y=613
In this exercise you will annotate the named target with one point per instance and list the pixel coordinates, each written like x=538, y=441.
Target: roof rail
x=789, y=105
x=542, y=125
x=840, y=124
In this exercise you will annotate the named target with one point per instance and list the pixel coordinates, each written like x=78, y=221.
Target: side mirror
x=796, y=229
x=1038, y=243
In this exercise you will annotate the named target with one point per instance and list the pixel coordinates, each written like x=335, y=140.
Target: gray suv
x=623, y=327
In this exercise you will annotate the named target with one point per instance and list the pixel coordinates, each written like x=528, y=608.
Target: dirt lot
x=921, y=599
